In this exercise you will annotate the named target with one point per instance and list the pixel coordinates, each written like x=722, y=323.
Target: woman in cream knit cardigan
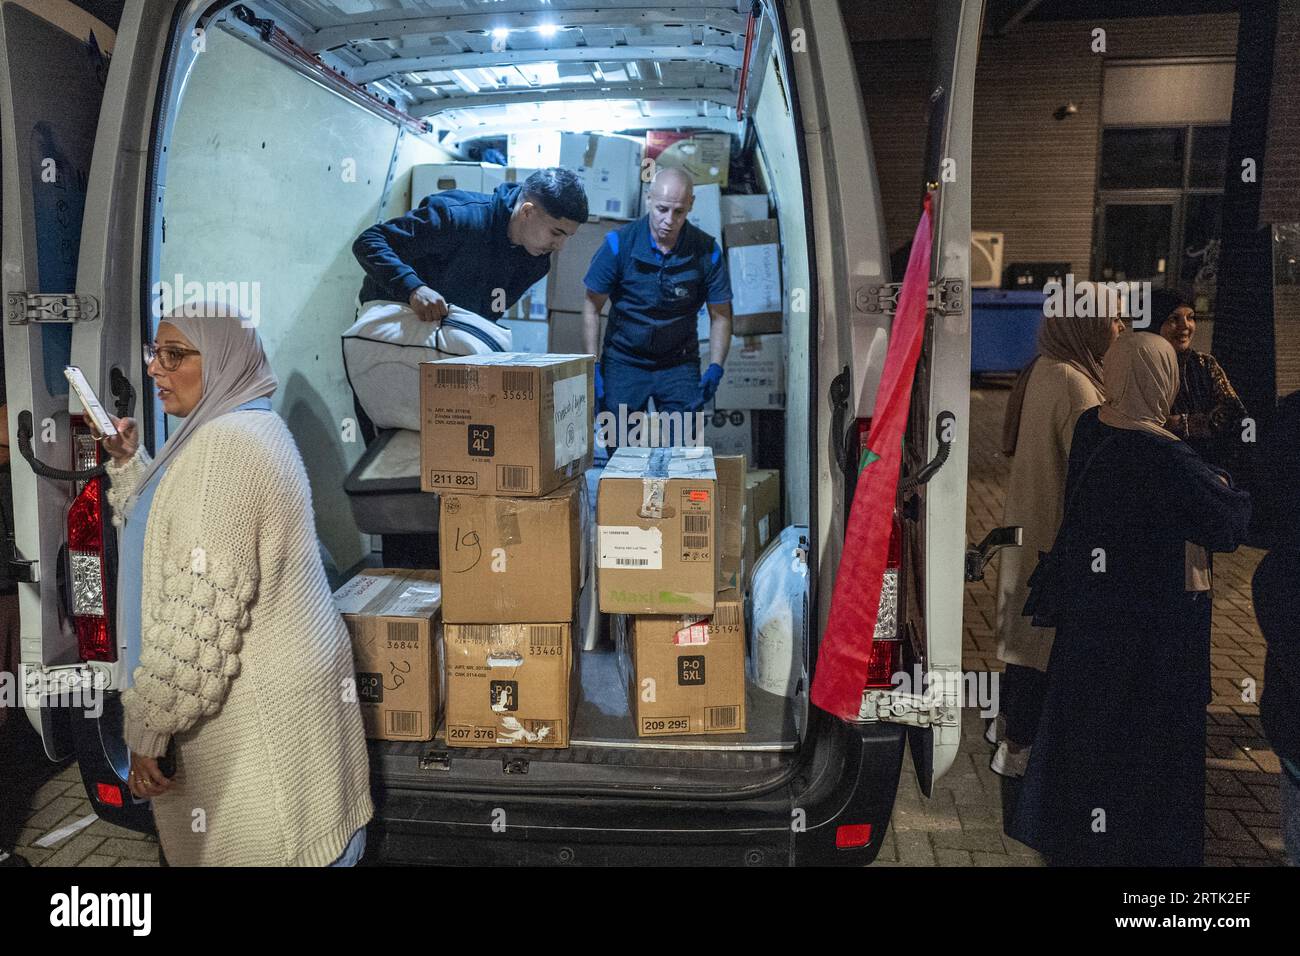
x=244, y=666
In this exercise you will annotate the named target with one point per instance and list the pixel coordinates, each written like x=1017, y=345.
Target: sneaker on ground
x=1009, y=760
x=995, y=731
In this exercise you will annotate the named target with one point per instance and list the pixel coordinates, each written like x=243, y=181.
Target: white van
x=253, y=141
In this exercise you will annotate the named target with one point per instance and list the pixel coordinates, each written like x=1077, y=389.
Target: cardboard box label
x=697, y=520
x=632, y=548
x=697, y=633
x=755, y=279
x=571, y=419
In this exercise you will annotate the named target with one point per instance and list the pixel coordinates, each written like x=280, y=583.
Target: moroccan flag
x=846, y=645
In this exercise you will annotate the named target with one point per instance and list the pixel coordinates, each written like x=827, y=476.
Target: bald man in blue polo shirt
x=656, y=272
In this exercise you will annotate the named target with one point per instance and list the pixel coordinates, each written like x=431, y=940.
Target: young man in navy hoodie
x=478, y=251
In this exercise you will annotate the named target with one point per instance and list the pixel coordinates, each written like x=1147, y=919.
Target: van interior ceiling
x=293, y=127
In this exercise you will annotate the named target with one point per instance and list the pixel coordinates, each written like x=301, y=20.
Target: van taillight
x=886, y=649
x=109, y=793
x=851, y=836
x=87, y=556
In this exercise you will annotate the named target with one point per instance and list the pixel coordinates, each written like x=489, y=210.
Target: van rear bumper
x=787, y=826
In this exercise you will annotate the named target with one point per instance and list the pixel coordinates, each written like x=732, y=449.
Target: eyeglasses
x=168, y=356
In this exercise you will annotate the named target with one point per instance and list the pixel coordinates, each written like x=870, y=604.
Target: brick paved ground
x=962, y=824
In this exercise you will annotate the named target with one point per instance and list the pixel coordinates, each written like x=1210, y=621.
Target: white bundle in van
x=383, y=350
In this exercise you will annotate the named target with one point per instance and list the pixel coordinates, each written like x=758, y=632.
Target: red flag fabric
x=846, y=646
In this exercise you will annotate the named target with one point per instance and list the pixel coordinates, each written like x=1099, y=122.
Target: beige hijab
x=1077, y=342
x=235, y=370
x=1141, y=376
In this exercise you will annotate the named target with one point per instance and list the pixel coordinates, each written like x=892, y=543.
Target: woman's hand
x=145, y=779
x=122, y=446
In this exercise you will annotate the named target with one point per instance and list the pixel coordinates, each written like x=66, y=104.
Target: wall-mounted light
x=500, y=33
x=548, y=30
x=1069, y=109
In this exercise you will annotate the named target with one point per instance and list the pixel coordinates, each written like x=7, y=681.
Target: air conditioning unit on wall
x=986, y=260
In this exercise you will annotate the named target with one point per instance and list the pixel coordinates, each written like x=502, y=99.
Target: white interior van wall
x=774, y=124
x=270, y=178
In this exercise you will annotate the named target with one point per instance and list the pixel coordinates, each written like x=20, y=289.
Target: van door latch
x=916, y=710
x=944, y=297
x=978, y=557
x=28, y=307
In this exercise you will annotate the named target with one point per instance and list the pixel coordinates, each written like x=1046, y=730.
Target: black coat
x=1117, y=771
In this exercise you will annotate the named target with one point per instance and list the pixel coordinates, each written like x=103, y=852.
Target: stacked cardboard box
x=510, y=685
x=471, y=177
x=505, y=423
x=512, y=570
x=685, y=670
x=754, y=375
x=657, y=531
x=762, y=516
x=754, y=262
x=512, y=564
x=609, y=166
x=686, y=674
x=705, y=154
x=392, y=615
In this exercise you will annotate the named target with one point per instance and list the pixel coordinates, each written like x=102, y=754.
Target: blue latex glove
x=709, y=382
x=600, y=387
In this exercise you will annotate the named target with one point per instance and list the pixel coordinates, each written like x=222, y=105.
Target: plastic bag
x=779, y=598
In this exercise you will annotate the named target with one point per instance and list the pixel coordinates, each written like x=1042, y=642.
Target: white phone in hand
x=90, y=401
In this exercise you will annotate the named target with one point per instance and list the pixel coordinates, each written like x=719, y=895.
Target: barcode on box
x=456, y=377
x=403, y=632
x=722, y=718
x=726, y=615
x=695, y=524
x=517, y=384
x=514, y=478
x=551, y=635
x=631, y=562
x=695, y=542
x=478, y=634
x=405, y=722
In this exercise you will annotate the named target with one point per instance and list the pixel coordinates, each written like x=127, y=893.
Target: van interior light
x=547, y=30
x=500, y=33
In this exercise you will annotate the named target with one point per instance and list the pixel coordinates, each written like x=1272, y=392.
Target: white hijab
x=235, y=371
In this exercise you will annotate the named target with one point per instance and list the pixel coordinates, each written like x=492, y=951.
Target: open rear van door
x=935, y=449
x=924, y=610
x=52, y=71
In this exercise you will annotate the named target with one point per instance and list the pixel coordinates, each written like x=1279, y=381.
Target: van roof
x=474, y=67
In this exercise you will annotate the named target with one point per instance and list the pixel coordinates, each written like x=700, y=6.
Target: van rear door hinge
x=27, y=307
x=912, y=709
x=943, y=297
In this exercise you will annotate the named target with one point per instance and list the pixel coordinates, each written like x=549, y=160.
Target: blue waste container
x=1004, y=329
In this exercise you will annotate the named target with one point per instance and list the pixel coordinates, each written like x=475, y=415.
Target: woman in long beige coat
x=1061, y=384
